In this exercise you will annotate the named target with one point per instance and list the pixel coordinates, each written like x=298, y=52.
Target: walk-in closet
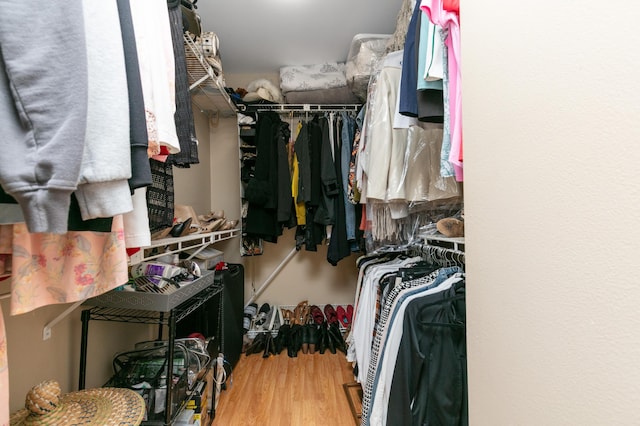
x=294, y=212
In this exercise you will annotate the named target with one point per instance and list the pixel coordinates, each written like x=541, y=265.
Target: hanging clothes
x=183, y=117
x=103, y=187
x=450, y=21
x=388, y=289
x=50, y=145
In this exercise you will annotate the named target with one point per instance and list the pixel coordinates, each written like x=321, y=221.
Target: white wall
x=551, y=107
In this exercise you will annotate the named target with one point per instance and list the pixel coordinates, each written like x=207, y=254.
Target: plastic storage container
x=365, y=52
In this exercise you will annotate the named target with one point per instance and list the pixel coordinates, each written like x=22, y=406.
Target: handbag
x=190, y=18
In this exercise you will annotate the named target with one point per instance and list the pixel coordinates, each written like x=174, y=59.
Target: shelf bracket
x=271, y=277
x=46, y=331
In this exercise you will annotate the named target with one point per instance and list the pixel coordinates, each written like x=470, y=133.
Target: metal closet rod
x=299, y=107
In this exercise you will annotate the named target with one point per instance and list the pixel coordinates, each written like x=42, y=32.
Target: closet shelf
x=298, y=107
x=454, y=243
x=178, y=245
x=207, y=89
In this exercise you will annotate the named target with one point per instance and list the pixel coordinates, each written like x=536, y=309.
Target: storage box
x=207, y=258
x=364, y=54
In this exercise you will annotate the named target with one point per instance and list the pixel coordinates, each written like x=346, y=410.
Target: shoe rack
x=249, y=246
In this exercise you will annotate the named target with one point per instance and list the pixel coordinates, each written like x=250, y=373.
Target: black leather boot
x=313, y=337
x=282, y=339
x=268, y=345
x=322, y=337
x=257, y=345
x=295, y=341
x=336, y=336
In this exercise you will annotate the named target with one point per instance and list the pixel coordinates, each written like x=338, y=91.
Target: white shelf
x=178, y=245
x=207, y=89
x=457, y=243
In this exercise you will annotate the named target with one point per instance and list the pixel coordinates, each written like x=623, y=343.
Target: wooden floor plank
x=284, y=391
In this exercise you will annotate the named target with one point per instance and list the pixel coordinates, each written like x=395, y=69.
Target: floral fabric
x=63, y=268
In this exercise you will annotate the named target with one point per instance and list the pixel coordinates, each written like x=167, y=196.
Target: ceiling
x=260, y=36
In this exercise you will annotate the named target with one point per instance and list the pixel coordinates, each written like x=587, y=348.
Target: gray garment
x=43, y=104
x=103, y=188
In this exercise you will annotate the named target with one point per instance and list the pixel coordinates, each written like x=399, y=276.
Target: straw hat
x=103, y=406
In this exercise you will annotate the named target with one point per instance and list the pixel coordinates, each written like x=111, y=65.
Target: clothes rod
x=298, y=107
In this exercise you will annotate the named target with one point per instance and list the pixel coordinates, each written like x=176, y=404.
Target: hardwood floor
x=283, y=391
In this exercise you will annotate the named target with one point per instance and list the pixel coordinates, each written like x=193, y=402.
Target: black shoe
x=306, y=331
x=313, y=337
x=336, y=336
x=257, y=345
x=282, y=339
x=268, y=345
x=295, y=341
x=181, y=229
x=322, y=338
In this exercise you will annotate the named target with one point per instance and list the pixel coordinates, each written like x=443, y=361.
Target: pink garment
x=450, y=21
x=64, y=268
x=451, y=5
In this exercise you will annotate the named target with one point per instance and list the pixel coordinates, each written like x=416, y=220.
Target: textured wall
x=551, y=110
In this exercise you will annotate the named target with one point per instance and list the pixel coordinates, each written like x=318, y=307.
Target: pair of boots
x=330, y=338
x=263, y=342
x=308, y=338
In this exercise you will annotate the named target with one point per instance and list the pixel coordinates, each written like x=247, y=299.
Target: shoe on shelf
x=248, y=314
x=161, y=234
x=287, y=316
x=212, y=226
x=350, y=313
x=182, y=212
x=316, y=314
x=181, y=229
x=450, y=227
x=299, y=312
x=331, y=314
x=342, y=316
x=229, y=225
x=262, y=316
x=215, y=214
